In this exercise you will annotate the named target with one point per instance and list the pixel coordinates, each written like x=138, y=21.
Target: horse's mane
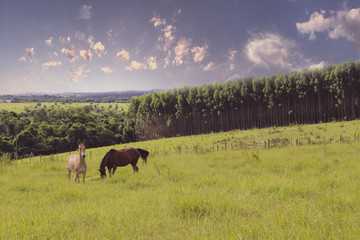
x=103, y=161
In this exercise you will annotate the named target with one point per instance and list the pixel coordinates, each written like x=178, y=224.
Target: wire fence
x=222, y=145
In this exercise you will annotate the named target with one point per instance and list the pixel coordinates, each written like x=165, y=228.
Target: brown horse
x=77, y=163
x=121, y=158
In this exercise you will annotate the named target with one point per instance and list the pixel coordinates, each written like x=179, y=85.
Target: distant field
x=20, y=107
x=291, y=192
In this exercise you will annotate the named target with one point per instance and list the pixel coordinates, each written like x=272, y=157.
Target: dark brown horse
x=121, y=158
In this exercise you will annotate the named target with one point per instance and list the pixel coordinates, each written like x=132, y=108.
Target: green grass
x=294, y=192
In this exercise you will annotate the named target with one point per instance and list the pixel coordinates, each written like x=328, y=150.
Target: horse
x=120, y=158
x=76, y=162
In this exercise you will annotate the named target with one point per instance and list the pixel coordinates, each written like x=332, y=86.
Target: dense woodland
x=302, y=97
x=57, y=129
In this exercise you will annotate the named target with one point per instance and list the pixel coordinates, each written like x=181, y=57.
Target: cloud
x=123, y=54
x=270, y=50
x=181, y=51
x=49, y=41
x=106, y=70
x=80, y=35
x=91, y=41
x=81, y=73
x=209, y=66
x=158, y=21
x=149, y=64
x=68, y=49
x=134, y=66
x=84, y=12
x=199, y=53
x=231, y=58
x=30, y=52
x=99, y=48
x=86, y=54
x=47, y=65
x=169, y=36
x=343, y=24
x=152, y=64
x=22, y=59
x=321, y=64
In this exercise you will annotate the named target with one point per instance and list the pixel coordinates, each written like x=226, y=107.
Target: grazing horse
x=77, y=163
x=121, y=158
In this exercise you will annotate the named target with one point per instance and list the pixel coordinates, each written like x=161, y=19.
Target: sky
x=57, y=46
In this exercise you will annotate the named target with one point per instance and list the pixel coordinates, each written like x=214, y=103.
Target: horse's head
x=102, y=173
x=81, y=148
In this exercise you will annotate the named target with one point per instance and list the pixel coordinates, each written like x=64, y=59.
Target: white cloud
x=158, y=21
x=99, y=48
x=80, y=35
x=318, y=65
x=152, y=64
x=199, y=52
x=270, y=50
x=106, y=70
x=123, y=54
x=22, y=59
x=84, y=12
x=68, y=49
x=209, y=66
x=91, y=41
x=47, y=65
x=86, y=54
x=343, y=24
x=81, y=73
x=181, y=51
x=49, y=41
x=70, y=54
x=30, y=52
x=134, y=66
x=231, y=58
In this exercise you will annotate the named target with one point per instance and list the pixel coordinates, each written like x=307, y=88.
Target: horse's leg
x=135, y=168
x=114, y=169
x=109, y=169
x=84, y=174
x=69, y=172
x=76, y=176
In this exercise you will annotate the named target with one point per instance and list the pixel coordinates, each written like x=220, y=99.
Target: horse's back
x=124, y=157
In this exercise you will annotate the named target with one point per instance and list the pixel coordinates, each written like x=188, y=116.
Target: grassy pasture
x=21, y=107
x=293, y=192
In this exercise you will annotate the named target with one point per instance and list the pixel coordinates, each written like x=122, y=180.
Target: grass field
x=293, y=192
x=21, y=107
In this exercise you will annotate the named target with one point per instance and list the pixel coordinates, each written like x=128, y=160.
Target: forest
x=56, y=129
x=301, y=97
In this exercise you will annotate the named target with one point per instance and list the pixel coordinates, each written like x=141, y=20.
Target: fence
x=223, y=145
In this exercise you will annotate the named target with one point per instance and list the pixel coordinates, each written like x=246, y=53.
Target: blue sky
x=107, y=45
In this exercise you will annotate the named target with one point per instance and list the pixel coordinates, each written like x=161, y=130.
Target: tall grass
x=306, y=192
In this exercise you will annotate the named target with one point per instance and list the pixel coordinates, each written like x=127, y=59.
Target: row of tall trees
x=302, y=97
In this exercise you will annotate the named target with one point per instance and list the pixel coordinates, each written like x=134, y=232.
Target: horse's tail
x=143, y=153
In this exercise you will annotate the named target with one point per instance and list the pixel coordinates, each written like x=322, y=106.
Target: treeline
x=302, y=97
x=56, y=99
x=57, y=129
